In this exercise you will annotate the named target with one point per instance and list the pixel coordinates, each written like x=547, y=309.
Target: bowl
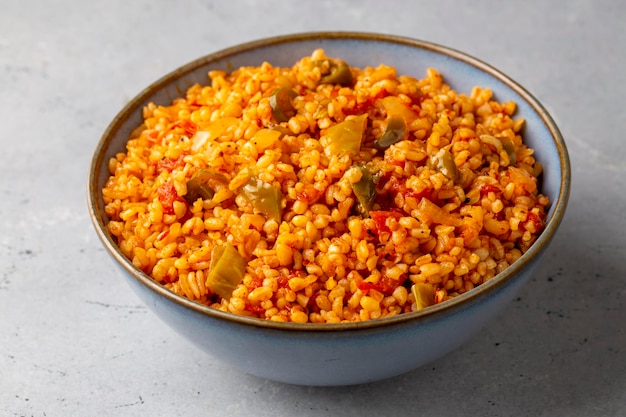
x=343, y=353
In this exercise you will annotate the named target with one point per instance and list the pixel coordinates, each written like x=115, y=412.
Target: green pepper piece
x=282, y=107
x=264, y=197
x=226, y=270
x=394, y=132
x=347, y=135
x=203, y=184
x=283, y=130
x=365, y=189
x=444, y=161
x=339, y=72
x=424, y=295
x=507, y=145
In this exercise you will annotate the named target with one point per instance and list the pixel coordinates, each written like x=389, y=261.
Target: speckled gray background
x=75, y=341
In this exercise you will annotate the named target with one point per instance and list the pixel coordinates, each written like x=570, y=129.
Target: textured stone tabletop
x=75, y=341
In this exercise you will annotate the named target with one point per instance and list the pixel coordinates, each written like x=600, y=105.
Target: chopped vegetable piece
x=507, y=145
x=365, y=189
x=428, y=212
x=394, y=132
x=444, y=162
x=265, y=138
x=522, y=179
x=226, y=270
x=203, y=184
x=424, y=295
x=347, y=135
x=381, y=218
x=282, y=107
x=264, y=197
x=339, y=72
x=212, y=131
x=395, y=107
x=283, y=130
x=167, y=195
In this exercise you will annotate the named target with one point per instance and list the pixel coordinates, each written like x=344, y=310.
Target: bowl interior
x=411, y=57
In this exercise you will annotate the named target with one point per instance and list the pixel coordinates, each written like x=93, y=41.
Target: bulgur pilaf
x=325, y=193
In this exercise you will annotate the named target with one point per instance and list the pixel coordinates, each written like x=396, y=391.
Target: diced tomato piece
x=255, y=283
x=380, y=219
x=426, y=192
x=366, y=286
x=385, y=285
x=536, y=220
x=397, y=187
x=397, y=163
x=167, y=196
x=283, y=281
x=489, y=188
x=388, y=285
x=364, y=107
x=255, y=309
x=309, y=194
x=170, y=164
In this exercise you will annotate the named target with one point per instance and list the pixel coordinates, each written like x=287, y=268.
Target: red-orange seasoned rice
x=325, y=193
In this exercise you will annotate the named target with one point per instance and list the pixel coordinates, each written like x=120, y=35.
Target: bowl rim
x=451, y=306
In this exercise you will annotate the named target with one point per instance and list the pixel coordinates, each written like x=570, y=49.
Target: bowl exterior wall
x=329, y=358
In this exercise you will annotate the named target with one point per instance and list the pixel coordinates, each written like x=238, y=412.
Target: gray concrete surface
x=75, y=341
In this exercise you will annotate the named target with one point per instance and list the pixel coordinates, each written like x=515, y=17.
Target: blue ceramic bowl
x=352, y=353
